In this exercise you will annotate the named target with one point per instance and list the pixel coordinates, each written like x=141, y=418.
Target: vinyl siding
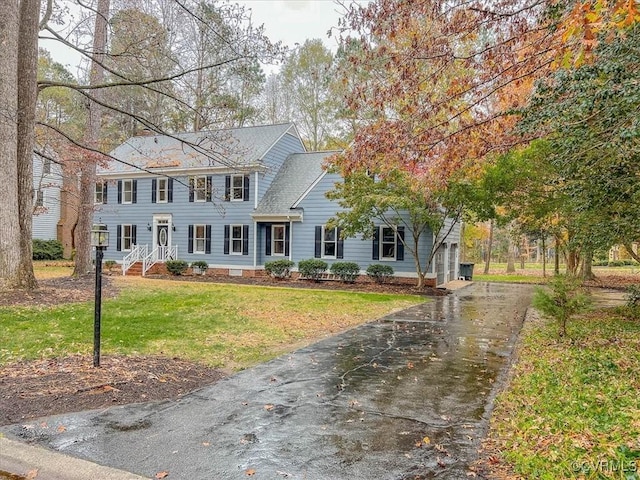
x=45, y=219
x=318, y=210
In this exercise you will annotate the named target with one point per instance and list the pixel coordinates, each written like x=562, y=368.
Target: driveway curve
x=404, y=397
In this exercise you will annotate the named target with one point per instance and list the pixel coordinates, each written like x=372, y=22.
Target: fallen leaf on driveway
x=163, y=474
x=31, y=474
x=268, y=407
x=250, y=472
x=61, y=429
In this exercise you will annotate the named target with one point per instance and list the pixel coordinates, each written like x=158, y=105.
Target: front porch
x=140, y=260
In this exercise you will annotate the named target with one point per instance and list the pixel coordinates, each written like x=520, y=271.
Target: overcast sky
x=289, y=21
x=294, y=21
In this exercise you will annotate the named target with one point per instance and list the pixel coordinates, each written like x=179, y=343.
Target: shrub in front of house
x=176, y=267
x=109, y=264
x=380, y=273
x=47, y=249
x=279, y=268
x=346, y=271
x=312, y=268
x=199, y=267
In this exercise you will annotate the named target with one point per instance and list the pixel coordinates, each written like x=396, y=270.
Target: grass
x=532, y=273
x=572, y=409
x=227, y=326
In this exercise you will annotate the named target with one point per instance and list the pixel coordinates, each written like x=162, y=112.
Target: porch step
x=135, y=270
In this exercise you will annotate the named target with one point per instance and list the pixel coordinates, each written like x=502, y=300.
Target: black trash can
x=466, y=271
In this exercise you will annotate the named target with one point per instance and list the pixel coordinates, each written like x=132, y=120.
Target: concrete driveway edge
x=41, y=464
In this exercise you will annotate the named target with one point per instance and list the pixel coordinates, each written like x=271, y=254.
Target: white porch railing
x=138, y=252
x=160, y=254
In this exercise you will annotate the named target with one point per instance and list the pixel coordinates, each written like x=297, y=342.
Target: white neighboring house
x=47, y=186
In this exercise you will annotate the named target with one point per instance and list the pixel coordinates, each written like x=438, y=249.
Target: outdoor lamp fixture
x=99, y=240
x=148, y=227
x=173, y=227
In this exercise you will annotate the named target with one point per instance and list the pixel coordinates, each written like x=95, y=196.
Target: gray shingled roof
x=235, y=147
x=297, y=174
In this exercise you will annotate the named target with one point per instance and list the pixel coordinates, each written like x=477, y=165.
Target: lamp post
x=99, y=240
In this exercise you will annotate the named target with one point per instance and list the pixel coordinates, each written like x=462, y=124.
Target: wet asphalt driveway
x=405, y=397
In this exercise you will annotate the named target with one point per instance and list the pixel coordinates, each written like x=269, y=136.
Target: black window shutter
x=191, y=187
x=154, y=186
x=245, y=239
x=207, y=247
x=245, y=195
x=226, y=239
x=134, y=191
x=134, y=235
x=119, y=191
x=376, y=244
x=287, y=234
x=190, y=242
x=119, y=238
x=209, y=188
x=104, y=192
x=400, y=244
x=318, y=249
x=340, y=247
x=170, y=190
x=227, y=188
x=267, y=241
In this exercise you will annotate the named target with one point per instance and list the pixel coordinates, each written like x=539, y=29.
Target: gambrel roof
x=234, y=148
x=298, y=174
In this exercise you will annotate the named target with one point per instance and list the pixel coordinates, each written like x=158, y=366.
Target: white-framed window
x=200, y=189
x=278, y=240
x=46, y=167
x=236, y=239
x=127, y=191
x=199, y=238
x=100, y=195
x=388, y=241
x=329, y=242
x=127, y=238
x=38, y=200
x=237, y=188
x=162, y=190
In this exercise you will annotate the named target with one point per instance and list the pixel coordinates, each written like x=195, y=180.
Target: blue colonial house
x=236, y=199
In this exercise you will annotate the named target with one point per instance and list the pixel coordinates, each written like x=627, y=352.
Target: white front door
x=161, y=235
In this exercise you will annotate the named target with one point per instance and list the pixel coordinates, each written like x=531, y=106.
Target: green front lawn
x=572, y=409
x=227, y=326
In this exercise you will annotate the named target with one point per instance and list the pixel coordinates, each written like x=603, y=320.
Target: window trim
x=196, y=238
x=233, y=188
x=126, y=182
x=124, y=237
x=160, y=190
x=274, y=240
x=100, y=191
x=38, y=200
x=200, y=189
x=233, y=239
x=324, y=242
x=381, y=257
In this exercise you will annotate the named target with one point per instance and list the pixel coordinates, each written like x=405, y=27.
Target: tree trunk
x=544, y=257
x=587, y=266
x=10, y=225
x=489, y=247
x=629, y=248
x=511, y=258
x=556, y=257
x=83, y=263
x=27, y=95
